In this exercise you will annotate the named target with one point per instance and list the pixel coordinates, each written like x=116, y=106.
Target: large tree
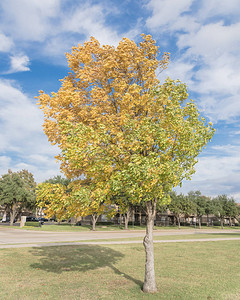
x=118, y=126
x=17, y=191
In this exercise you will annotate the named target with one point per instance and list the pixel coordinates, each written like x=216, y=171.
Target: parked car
x=31, y=219
x=43, y=219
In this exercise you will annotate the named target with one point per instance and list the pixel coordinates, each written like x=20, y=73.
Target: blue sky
x=203, y=38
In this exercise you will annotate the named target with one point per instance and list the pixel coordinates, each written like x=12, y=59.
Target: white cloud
x=5, y=161
x=211, y=40
x=6, y=43
x=28, y=20
x=58, y=25
x=23, y=143
x=167, y=15
x=19, y=63
x=208, y=41
x=90, y=21
x=218, y=173
x=226, y=8
x=214, y=50
x=76, y=26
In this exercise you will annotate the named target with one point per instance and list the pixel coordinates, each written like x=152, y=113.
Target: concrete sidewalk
x=14, y=238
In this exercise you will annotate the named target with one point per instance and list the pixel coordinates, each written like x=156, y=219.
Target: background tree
x=58, y=180
x=125, y=207
x=176, y=206
x=231, y=209
x=209, y=209
x=99, y=119
x=189, y=207
x=73, y=200
x=52, y=197
x=220, y=204
x=200, y=204
x=30, y=185
x=17, y=191
x=86, y=201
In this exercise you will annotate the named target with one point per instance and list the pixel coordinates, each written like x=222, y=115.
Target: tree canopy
x=118, y=126
x=17, y=191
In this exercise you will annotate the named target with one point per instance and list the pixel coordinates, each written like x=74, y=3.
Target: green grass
x=156, y=238
x=173, y=237
x=70, y=228
x=209, y=270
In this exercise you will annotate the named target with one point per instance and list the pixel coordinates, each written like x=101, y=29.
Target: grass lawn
x=70, y=228
x=174, y=237
x=209, y=270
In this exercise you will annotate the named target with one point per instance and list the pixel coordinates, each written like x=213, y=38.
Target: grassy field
x=175, y=237
x=70, y=228
x=209, y=270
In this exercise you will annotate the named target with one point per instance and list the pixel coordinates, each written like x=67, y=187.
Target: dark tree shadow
x=59, y=259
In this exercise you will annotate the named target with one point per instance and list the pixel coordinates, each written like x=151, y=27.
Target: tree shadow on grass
x=59, y=259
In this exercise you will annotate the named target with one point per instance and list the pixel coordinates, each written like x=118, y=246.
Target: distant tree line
x=19, y=192
x=194, y=203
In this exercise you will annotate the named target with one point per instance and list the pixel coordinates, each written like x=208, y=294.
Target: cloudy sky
x=203, y=38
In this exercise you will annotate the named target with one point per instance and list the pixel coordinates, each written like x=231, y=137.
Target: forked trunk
x=94, y=221
x=149, y=285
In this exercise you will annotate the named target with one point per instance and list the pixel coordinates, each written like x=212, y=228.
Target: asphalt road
x=12, y=238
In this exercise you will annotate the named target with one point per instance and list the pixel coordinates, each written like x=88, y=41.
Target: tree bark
x=221, y=223
x=207, y=220
x=230, y=221
x=94, y=221
x=120, y=219
x=178, y=220
x=13, y=213
x=140, y=219
x=4, y=218
x=199, y=222
x=126, y=219
x=149, y=285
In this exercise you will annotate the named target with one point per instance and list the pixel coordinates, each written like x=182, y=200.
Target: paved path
x=113, y=243
x=14, y=238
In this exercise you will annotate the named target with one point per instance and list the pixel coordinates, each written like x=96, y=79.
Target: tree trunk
x=4, y=218
x=178, y=221
x=120, y=219
x=230, y=221
x=126, y=219
x=199, y=222
x=13, y=213
x=140, y=219
x=149, y=285
x=207, y=220
x=94, y=221
x=221, y=220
